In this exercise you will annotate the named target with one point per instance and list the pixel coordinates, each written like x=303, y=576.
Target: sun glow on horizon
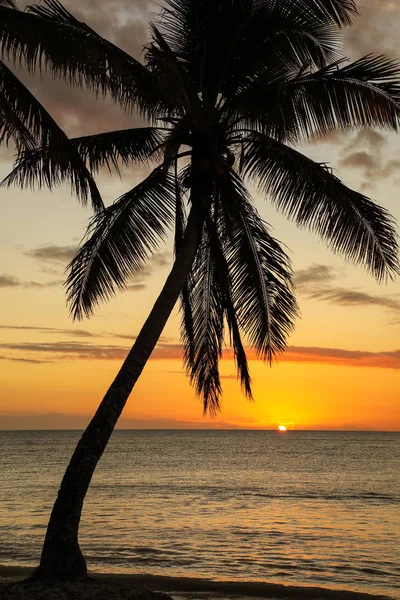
x=281, y=428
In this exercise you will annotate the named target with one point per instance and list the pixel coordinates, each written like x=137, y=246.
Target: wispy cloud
x=315, y=274
x=69, y=350
x=316, y=282
x=25, y=360
x=80, y=333
x=53, y=254
x=10, y=281
x=345, y=297
x=52, y=330
x=167, y=351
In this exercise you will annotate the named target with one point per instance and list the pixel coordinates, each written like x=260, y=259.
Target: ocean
x=296, y=508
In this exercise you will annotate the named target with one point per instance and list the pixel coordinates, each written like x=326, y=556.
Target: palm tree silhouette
x=227, y=89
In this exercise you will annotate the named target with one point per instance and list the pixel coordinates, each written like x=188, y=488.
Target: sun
x=281, y=428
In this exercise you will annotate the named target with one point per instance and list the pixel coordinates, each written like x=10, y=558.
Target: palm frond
x=260, y=272
x=219, y=58
x=203, y=339
x=12, y=128
x=9, y=3
x=125, y=146
x=48, y=37
x=28, y=123
x=176, y=88
x=231, y=315
x=119, y=241
x=313, y=197
x=339, y=12
x=362, y=94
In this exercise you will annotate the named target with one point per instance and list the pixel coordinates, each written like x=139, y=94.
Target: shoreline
x=205, y=587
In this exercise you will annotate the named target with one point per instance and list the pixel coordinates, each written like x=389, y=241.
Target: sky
x=342, y=366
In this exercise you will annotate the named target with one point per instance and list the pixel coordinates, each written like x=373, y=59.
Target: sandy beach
x=136, y=587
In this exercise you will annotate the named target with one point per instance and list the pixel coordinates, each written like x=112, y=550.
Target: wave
x=244, y=589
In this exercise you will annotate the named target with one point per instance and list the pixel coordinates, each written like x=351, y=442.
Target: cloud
x=366, y=151
x=344, y=297
x=70, y=350
x=337, y=356
x=135, y=287
x=9, y=281
x=315, y=283
x=53, y=253
x=25, y=360
x=170, y=351
x=53, y=330
x=314, y=274
x=360, y=160
x=77, y=111
x=376, y=30
x=81, y=333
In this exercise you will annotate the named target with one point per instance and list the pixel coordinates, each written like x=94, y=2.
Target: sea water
x=299, y=508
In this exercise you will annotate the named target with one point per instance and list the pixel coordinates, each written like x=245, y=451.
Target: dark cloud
x=53, y=253
x=9, y=281
x=360, y=160
x=314, y=274
x=13, y=282
x=344, y=297
x=367, y=151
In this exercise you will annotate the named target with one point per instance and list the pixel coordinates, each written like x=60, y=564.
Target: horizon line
x=215, y=429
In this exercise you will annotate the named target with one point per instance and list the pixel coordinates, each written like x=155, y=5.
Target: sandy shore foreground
x=136, y=587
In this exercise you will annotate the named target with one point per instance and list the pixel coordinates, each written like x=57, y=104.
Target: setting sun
x=282, y=428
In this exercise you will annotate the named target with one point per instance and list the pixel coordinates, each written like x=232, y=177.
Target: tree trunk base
x=61, y=561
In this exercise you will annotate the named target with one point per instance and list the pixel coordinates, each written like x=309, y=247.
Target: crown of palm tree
x=227, y=89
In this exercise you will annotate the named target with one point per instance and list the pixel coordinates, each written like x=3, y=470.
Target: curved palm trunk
x=61, y=556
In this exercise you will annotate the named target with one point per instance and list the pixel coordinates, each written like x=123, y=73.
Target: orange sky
x=342, y=368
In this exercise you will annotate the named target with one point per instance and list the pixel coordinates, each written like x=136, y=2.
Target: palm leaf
x=260, y=272
x=231, y=315
x=218, y=57
x=119, y=241
x=339, y=12
x=49, y=37
x=12, y=128
x=126, y=146
x=27, y=122
x=202, y=342
x=365, y=93
x=313, y=197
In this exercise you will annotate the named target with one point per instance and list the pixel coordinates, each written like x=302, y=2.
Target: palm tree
x=227, y=89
